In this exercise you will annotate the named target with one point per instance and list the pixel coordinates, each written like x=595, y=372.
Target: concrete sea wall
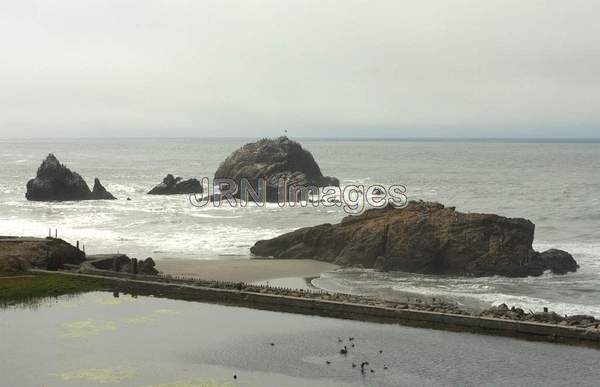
x=345, y=310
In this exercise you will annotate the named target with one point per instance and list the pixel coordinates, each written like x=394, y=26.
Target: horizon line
x=322, y=138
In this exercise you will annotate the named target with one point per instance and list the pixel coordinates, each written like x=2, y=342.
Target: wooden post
x=55, y=233
x=77, y=245
x=49, y=232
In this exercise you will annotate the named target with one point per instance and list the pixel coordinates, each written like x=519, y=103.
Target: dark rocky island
x=55, y=182
x=423, y=238
x=175, y=185
x=272, y=160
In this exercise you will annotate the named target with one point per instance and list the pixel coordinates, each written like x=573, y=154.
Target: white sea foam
x=472, y=177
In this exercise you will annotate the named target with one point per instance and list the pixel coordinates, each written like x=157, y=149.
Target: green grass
x=17, y=288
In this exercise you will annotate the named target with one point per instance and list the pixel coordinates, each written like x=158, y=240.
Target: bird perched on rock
x=344, y=351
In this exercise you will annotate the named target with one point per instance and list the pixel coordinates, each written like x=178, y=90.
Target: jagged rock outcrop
x=272, y=160
x=147, y=267
x=118, y=263
x=175, y=185
x=22, y=253
x=423, y=238
x=99, y=192
x=55, y=182
x=144, y=266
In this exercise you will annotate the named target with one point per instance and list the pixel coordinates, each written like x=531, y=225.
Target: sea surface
x=96, y=339
x=554, y=184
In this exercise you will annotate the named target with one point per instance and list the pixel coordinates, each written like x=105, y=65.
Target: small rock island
x=55, y=182
x=424, y=237
x=176, y=185
x=272, y=160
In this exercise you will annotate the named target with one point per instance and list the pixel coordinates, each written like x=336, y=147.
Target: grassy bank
x=23, y=287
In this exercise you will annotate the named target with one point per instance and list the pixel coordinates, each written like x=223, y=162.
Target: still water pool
x=96, y=339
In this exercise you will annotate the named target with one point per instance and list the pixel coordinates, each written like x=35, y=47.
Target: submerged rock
x=55, y=182
x=175, y=185
x=423, y=238
x=22, y=253
x=272, y=160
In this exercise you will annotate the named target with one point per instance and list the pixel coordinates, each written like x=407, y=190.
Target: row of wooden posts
x=56, y=237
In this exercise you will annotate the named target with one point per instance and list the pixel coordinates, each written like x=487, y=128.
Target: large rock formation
x=56, y=182
x=18, y=254
x=423, y=238
x=272, y=160
x=175, y=185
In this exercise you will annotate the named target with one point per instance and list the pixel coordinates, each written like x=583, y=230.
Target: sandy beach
x=244, y=270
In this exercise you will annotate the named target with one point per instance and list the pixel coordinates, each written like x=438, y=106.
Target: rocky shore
x=424, y=237
x=502, y=311
x=412, y=303
x=24, y=253
x=435, y=313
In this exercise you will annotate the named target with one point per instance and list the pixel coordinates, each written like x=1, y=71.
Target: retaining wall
x=345, y=310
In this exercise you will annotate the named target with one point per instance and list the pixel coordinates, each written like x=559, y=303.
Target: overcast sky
x=442, y=68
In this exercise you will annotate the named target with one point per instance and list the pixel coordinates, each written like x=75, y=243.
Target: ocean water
x=556, y=185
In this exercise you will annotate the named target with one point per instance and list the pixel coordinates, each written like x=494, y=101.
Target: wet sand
x=244, y=270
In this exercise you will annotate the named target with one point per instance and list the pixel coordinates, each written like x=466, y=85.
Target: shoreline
x=243, y=270
x=341, y=306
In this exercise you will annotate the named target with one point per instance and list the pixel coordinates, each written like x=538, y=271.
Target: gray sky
x=450, y=68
